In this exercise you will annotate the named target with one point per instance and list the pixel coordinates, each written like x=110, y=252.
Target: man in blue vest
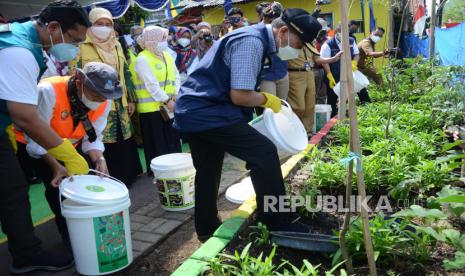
x=216, y=103
x=333, y=70
x=60, y=27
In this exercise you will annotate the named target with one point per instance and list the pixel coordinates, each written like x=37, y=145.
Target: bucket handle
x=286, y=104
x=90, y=170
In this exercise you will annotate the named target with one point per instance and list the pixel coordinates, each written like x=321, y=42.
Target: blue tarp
x=119, y=7
x=449, y=44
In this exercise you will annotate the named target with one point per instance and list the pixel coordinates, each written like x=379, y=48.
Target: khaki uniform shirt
x=299, y=63
x=365, y=46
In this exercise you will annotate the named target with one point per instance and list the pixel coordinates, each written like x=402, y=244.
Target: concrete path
x=150, y=224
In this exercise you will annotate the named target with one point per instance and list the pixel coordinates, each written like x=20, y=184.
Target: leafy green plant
x=261, y=235
x=244, y=264
x=392, y=240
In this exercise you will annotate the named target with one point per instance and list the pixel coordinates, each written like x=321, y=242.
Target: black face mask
x=234, y=20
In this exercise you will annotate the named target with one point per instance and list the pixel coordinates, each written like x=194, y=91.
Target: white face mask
x=287, y=53
x=375, y=38
x=102, y=32
x=162, y=46
x=184, y=42
x=90, y=104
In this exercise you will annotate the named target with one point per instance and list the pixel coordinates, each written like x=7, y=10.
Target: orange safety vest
x=62, y=120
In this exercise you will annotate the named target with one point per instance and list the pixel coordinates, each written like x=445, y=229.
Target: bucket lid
x=173, y=161
x=287, y=128
x=240, y=192
x=93, y=190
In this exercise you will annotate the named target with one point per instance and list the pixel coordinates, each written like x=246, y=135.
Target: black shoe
x=34, y=180
x=46, y=261
x=204, y=238
x=286, y=223
x=204, y=235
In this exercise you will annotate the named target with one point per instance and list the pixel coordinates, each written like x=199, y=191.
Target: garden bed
x=407, y=159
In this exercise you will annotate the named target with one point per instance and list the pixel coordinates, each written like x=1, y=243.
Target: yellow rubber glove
x=12, y=137
x=332, y=81
x=272, y=102
x=354, y=65
x=74, y=162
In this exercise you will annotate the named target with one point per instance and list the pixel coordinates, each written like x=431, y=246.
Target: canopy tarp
x=17, y=9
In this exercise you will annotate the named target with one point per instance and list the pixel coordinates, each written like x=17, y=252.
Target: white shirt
x=46, y=104
x=193, y=66
x=18, y=75
x=145, y=74
x=326, y=50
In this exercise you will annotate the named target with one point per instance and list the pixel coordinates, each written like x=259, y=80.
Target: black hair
x=235, y=11
x=260, y=6
x=353, y=22
x=68, y=13
x=381, y=29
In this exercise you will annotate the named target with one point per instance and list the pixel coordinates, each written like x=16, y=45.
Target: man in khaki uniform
x=302, y=85
x=367, y=54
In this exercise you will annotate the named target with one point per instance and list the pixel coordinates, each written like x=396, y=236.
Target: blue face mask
x=63, y=51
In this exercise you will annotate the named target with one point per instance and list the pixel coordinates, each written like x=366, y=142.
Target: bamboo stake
x=432, y=29
x=346, y=73
x=345, y=225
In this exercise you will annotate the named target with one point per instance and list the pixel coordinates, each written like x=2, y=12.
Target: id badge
x=307, y=66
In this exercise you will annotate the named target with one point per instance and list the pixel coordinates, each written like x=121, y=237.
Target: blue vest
x=203, y=102
x=276, y=71
x=22, y=35
x=336, y=66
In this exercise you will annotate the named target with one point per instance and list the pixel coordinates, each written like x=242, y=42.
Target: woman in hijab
x=102, y=45
x=186, y=54
x=157, y=81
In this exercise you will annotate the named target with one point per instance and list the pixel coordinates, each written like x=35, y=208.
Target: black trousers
x=28, y=164
x=244, y=142
x=333, y=99
x=15, y=208
x=158, y=135
x=122, y=158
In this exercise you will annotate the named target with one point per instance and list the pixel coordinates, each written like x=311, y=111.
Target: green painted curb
x=190, y=267
x=210, y=249
x=229, y=228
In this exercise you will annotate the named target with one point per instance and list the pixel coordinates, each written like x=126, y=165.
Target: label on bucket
x=110, y=239
x=320, y=121
x=176, y=192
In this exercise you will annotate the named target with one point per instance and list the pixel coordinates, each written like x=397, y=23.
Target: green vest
x=165, y=74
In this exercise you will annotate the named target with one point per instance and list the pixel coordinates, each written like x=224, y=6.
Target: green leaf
x=245, y=252
x=453, y=199
x=431, y=232
x=457, y=263
x=447, y=147
x=418, y=211
x=337, y=257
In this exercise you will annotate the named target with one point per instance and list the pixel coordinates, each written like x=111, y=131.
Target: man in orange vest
x=76, y=108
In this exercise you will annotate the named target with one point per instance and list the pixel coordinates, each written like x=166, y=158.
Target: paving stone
x=157, y=212
x=136, y=226
x=177, y=216
x=136, y=254
x=140, y=246
x=152, y=225
x=146, y=237
x=189, y=211
x=140, y=219
x=167, y=227
x=147, y=209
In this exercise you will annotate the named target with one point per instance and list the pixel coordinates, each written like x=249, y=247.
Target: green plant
x=244, y=264
x=392, y=240
x=261, y=235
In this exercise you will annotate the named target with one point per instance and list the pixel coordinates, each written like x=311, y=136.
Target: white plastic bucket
x=97, y=215
x=360, y=82
x=322, y=116
x=284, y=129
x=174, y=176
